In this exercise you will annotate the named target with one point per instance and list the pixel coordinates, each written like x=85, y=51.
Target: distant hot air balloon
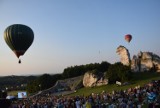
x=19, y=38
x=128, y=37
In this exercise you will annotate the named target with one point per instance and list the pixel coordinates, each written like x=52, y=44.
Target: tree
x=75, y=71
x=118, y=72
x=45, y=81
x=42, y=82
x=104, y=66
x=32, y=86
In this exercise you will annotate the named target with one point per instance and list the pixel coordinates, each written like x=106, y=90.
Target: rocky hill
x=143, y=61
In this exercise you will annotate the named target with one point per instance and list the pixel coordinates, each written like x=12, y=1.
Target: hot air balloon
x=19, y=38
x=128, y=37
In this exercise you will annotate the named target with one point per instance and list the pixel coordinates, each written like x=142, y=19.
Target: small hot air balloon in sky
x=128, y=37
x=19, y=38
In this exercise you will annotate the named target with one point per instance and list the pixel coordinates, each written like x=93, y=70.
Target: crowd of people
x=147, y=96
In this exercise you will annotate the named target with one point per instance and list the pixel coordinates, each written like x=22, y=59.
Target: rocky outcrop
x=90, y=79
x=124, y=54
x=145, y=61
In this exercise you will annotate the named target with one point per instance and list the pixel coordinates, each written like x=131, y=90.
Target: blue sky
x=76, y=32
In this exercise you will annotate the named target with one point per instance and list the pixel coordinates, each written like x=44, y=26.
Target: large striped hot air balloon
x=19, y=38
x=128, y=37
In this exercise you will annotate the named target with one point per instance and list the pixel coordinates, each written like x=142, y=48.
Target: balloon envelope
x=19, y=38
x=128, y=37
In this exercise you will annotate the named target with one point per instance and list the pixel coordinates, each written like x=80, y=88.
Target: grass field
x=138, y=79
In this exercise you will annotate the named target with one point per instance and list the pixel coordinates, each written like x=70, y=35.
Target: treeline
x=74, y=71
x=118, y=72
x=113, y=72
x=11, y=83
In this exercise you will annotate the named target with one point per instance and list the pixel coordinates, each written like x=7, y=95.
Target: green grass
x=137, y=79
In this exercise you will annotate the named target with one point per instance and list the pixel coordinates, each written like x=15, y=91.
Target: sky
x=77, y=32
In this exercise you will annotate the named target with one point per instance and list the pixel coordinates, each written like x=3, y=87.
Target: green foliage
x=96, y=72
x=15, y=82
x=44, y=81
x=33, y=86
x=103, y=66
x=118, y=72
x=80, y=70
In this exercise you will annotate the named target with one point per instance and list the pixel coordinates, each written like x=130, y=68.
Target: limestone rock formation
x=90, y=80
x=145, y=61
x=124, y=54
